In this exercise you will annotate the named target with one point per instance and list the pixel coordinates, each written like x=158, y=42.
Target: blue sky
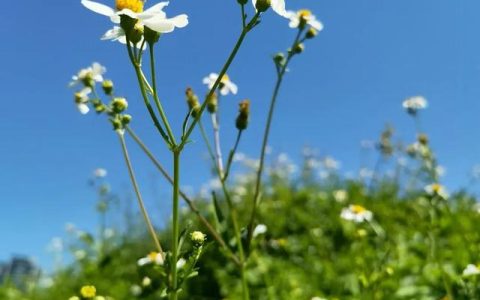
x=347, y=85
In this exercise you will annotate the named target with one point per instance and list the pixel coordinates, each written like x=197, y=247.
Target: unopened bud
x=107, y=86
x=279, y=58
x=212, y=103
x=126, y=119
x=117, y=124
x=298, y=48
x=198, y=238
x=119, y=105
x=192, y=101
x=243, y=115
x=263, y=5
x=311, y=33
x=423, y=139
x=98, y=105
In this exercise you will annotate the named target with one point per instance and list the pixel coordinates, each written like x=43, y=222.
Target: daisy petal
x=98, y=8
x=160, y=25
x=180, y=21
x=278, y=6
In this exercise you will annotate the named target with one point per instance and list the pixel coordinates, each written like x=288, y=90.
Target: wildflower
x=146, y=281
x=413, y=104
x=259, y=229
x=193, y=102
x=330, y=163
x=152, y=257
x=278, y=6
x=198, y=238
x=471, y=270
x=89, y=75
x=99, y=173
x=180, y=263
x=136, y=290
x=153, y=17
x=436, y=189
x=356, y=213
x=74, y=298
x=303, y=17
x=81, y=100
x=99, y=298
x=119, y=104
x=80, y=254
x=107, y=86
x=225, y=86
x=340, y=195
x=88, y=291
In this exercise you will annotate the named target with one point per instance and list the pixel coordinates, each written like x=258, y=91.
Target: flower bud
x=311, y=33
x=279, y=59
x=242, y=2
x=298, y=48
x=198, y=238
x=117, y=124
x=98, y=105
x=126, y=119
x=212, y=103
x=192, y=101
x=119, y=105
x=423, y=139
x=88, y=80
x=243, y=115
x=107, y=86
x=263, y=5
x=136, y=33
x=151, y=36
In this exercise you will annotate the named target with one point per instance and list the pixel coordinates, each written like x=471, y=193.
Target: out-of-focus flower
x=330, y=163
x=152, y=257
x=436, y=189
x=278, y=6
x=88, y=291
x=471, y=270
x=80, y=254
x=340, y=195
x=99, y=173
x=153, y=17
x=146, y=281
x=135, y=290
x=356, y=213
x=226, y=86
x=198, y=238
x=74, y=298
x=86, y=76
x=259, y=229
x=56, y=245
x=180, y=263
x=414, y=104
x=302, y=17
x=81, y=100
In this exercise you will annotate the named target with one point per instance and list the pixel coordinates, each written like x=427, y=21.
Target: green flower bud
x=98, y=105
x=279, y=58
x=298, y=48
x=423, y=139
x=117, y=124
x=242, y=2
x=107, y=86
x=198, y=238
x=192, y=101
x=263, y=5
x=212, y=103
x=126, y=119
x=119, y=105
x=243, y=115
x=311, y=33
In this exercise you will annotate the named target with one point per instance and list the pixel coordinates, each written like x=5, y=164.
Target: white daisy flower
x=146, y=281
x=356, y=213
x=436, y=189
x=225, y=86
x=180, y=263
x=81, y=100
x=118, y=34
x=471, y=270
x=153, y=17
x=413, y=104
x=278, y=6
x=303, y=16
x=94, y=72
x=340, y=195
x=260, y=229
x=153, y=257
x=99, y=173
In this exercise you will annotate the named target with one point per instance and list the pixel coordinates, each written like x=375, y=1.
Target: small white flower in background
x=471, y=270
x=303, y=15
x=277, y=6
x=153, y=17
x=99, y=173
x=441, y=171
x=356, y=213
x=109, y=233
x=476, y=207
x=239, y=156
x=70, y=228
x=99, y=298
x=153, y=257
x=365, y=173
x=56, y=245
x=46, y=282
x=340, y=195
x=80, y=254
x=74, y=298
x=436, y=189
x=226, y=86
x=259, y=229
x=180, y=263
x=94, y=72
x=146, y=281
x=330, y=163
x=413, y=104
x=81, y=100
x=135, y=290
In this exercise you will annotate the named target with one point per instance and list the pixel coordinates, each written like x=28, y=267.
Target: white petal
x=83, y=108
x=316, y=24
x=159, y=24
x=224, y=90
x=155, y=10
x=180, y=21
x=294, y=23
x=98, y=8
x=232, y=87
x=278, y=6
x=113, y=34
x=254, y=2
x=128, y=12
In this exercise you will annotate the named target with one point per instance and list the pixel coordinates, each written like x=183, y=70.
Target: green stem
x=216, y=138
x=157, y=99
x=256, y=197
x=231, y=155
x=227, y=64
x=138, y=194
x=175, y=230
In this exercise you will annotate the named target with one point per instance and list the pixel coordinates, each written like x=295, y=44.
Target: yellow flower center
x=153, y=256
x=133, y=5
x=358, y=209
x=225, y=79
x=436, y=188
x=88, y=291
x=304, y=13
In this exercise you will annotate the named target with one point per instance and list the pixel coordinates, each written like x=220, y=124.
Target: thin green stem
x=232, y=155
x=216, y=138
x=157, y=99
x=225, y=67
x=176, y=219
x=143, y=209
x=189, y=201
x=258, y=183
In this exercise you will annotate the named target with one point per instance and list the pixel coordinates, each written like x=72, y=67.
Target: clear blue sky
x=350, y=81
